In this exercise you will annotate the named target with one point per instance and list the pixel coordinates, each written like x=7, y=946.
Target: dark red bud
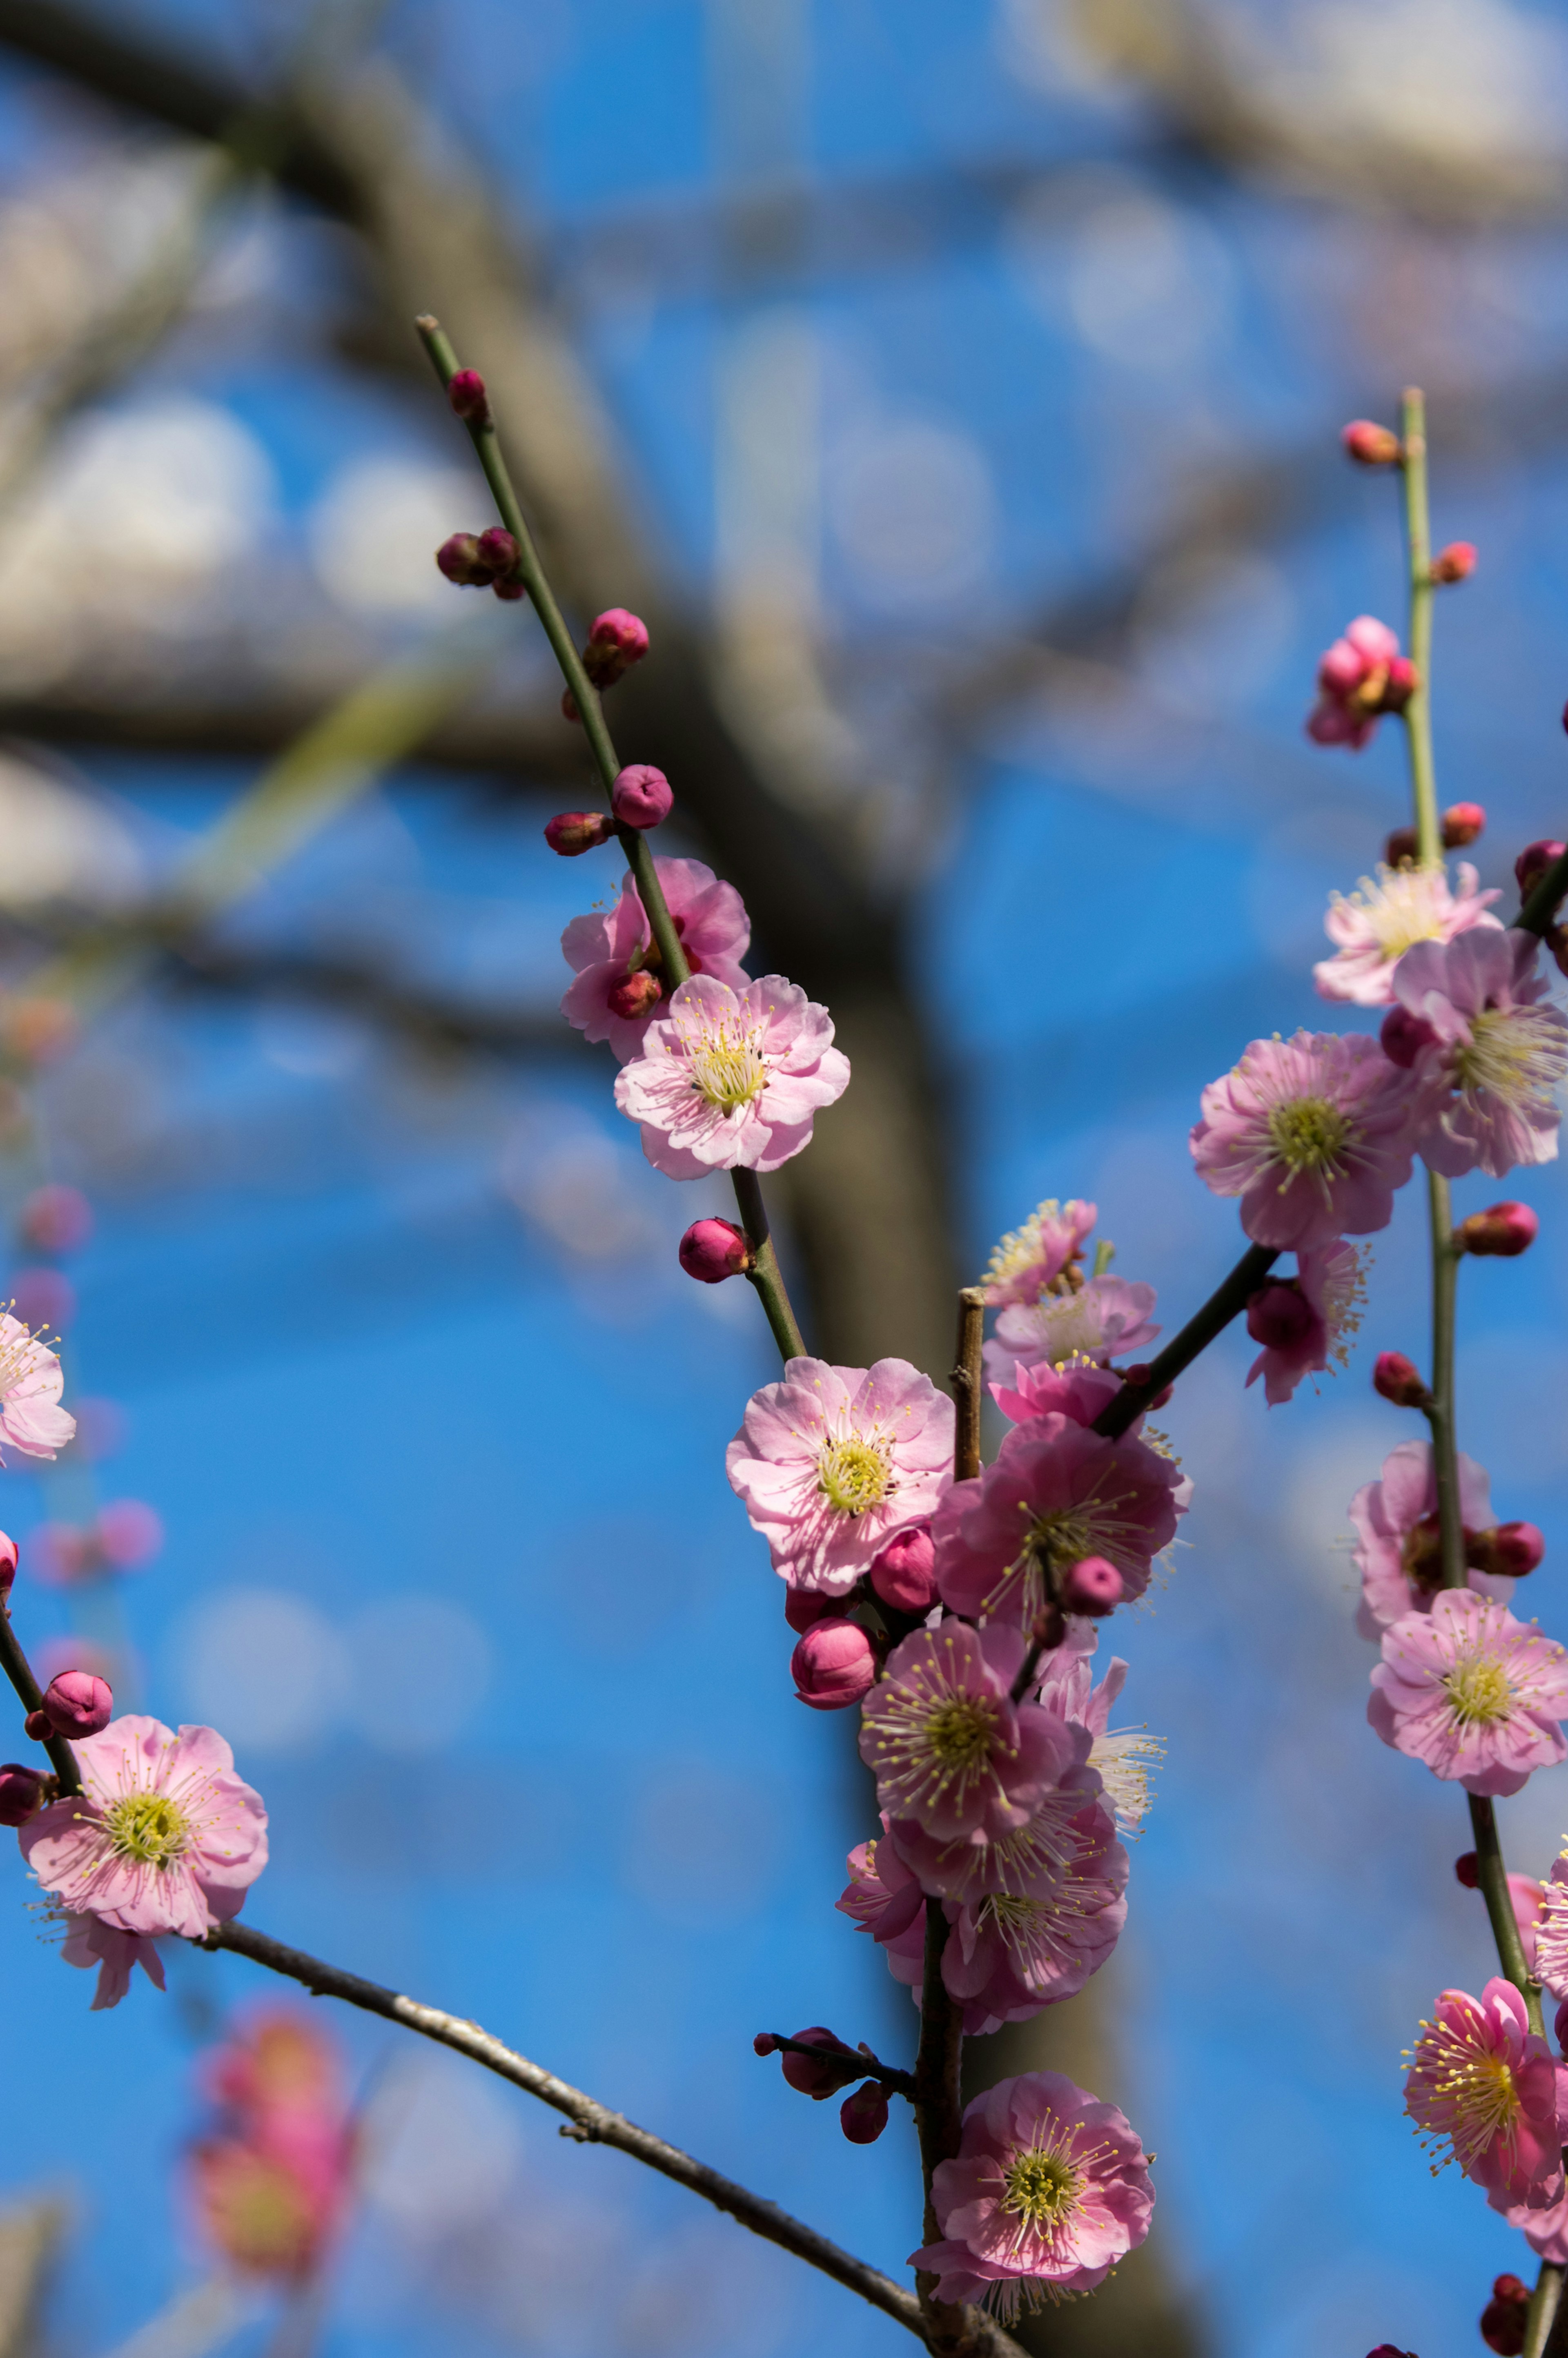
x=1140, y=1375
x=510, y=591
x=21, y=1793
x=1278, y=1314
x=634, y=996
x=1370, y=445
x=824, y=2075
x=864, y=2115
x=1463, y=823
x=1467, y=1868
x=1400, y=847
x=1508, y=1550
x=7, y=1565
x=497, y=550
x=1400, y=1381
x=804, y=1605
x=1500, y=1232
x=39, y=1725
x=1454, y=563
x=459, y=559
x=1534, y=860
x=1404, y=1036
x=1504, y=2319
x=574, y=831
x=764, y=2043
x=1403, y=681
x=465, y=391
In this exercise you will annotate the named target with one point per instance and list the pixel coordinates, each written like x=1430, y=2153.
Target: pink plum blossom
x=1314, y=1133
x=886, y=1899
x=1122, y=1757
x=1544, y=2229
x=1494, y=1054
x=732, y=1080
x=31, y=1418
x=1080, y=1389
x=1056, y=1492
x=1361, y=677
x=1485, y=2091
x=1551, y=1960
x=1373, y=929
x=1329, y=1288
x=1475, y=1693
x=833, y=1462
x=1050, y=2187
x=1397, y=1551
x=610, y=945
x=1031, y=1257
x=89, y=1940
x=163, y=1838
x=1009, y=1954
x=947, y=1746
x=1105, y=1319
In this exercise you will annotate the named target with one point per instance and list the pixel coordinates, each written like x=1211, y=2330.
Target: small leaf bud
x=1533, y=862
x=465, y=391
x=1371, y=445
x=634, y=996
x=21, y=1793
x=1505, y=2317
x=834, y=1664
x=1454, y=563
x=1400, y=848
x=1463, y=823
x=1278, y=1314
x=711, y=1251
x=1093, y=1586
x=77, y=1704
x=641, y=796
x=904, y=1575
x=1502, y=1231
x=1468, y=1869
x=818, y=2077
x=571, y=832
x=1403, y=1036
x=1399, y=1380
x=1508, y=1550
x=864, y=2115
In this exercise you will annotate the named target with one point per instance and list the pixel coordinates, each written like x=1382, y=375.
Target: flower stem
x=1492, y=1875
x=938, y=2109
x=1418, y=543
x=765, y=1274
x=1228, y=1300
x=966, y=1386
x=866, y=2067
x=1543, y=2306
x=1440, y=1397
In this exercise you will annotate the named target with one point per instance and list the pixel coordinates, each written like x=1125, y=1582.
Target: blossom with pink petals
x=163, y=1838
x=1373, y=929
x=1485, y=2091
x=1049, y=2189
x=833, y=1462
x=1545, y=2230
x=886, y=1899
x=1104, y=1320
x=1314, y=1133
x=1329, y=1288
x=732, y=1080
x=1122, y=1757
x=1031, y=1257
x=947, y=1746
x=1079, y=1388
x=1550, y=1964
x=1008, y=1954
x=1475, y=1693
x=1360, y=677
x=31, y=1418
x=1399, y=1551
x=89, y=1940
x=1056, y=1492
x=608, y=947
x=1495, y=1051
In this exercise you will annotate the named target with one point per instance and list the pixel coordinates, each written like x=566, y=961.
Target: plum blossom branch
x=18, y=1670
x=1227, y=1302
x=866, y=2065
x=1418, y=547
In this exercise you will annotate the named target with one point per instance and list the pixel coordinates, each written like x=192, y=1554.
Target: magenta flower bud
x=641, y=795
x=1533, y=862
x=904, y=1575
x=21, y=1793
x=1509, y=1551
x=1140, y=1374
x=1341, y=668
x=465, y=391
x=459, y=559
x=821, y=2077
x=1463, y=823
x=634, y=996
x=617, y=641
x=498, y=550
x=76, y=1703
x=39, y=1725
x=1400, y=847
x=1505, y=2317
x=1502, y=1231
x=1370, y=445
x=1467, y=1870
x=712, y=1250
x=1454, y=563
x=55, y=1220
x=864, y=2115
x=1404, y=1036
x=803, y=1608
x=571, y=832
x=509, y=590
x=1400, y=1381
x=764, y=2043
x=1403, y=681
x=1278, y=1314
x=834, y=1664
x=7, y=1565
x=1093, y=1586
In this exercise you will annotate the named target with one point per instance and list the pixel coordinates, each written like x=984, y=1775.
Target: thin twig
x=966, y=1386
x=1229, y=1298
x=865, y=2065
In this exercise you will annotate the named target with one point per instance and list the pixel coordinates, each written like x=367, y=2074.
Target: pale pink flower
x=1049, y=2190
x=31, y=1418
x=1496, y=1053
x=1544, y=2229
x=832, y=1463
x=947, y=1746
x=1485, y=2091
x=1081, y=1390
x=1375, y=925
x=1330, y=1289
x=1399, y=1551
x=886, y=1899
x=164, y=1837
x=1361, y=677
x=88, y=1941
x=608, y=946
x=1031, y=1257
x=1008, y=1954
x=1550, y=1964
x=1475, y=1693
x=1314, y=1133
x=1122, y=1757
x=1105, y=1319
x=732, y=1080
x=1056, y=1493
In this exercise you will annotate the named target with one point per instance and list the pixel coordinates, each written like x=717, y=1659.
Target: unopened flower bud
x=904, y=1575
x=1401, y=847
x=1403, y=682
x=21, y=1793
x=617, y=641
x=459, y=559
x=641, y=795
x=834, y=1664
x=711, y=1251
x=7, y=1565
x=1404, y=1036
x=1504, y=2319
x=764, y=2043
x=1463, y=823
x=1508, y=1550
x=1400, y=1381
x=1533, y=862
x=1370, y=445
x=39, y=1725
x=498, y=550
x=1278, y=1314
x=55, y=1220
x=1093, y=1586
x=634, y=996
x=821, y=2076
x=465, y=391
x=864, y=2115
x=1502, y=1231
x=76, y=1703
x=571, y=832
x=803, y=1608
x=1467, y=1870
x=509, y=588
x=1454, y=563
x=1139, y=1375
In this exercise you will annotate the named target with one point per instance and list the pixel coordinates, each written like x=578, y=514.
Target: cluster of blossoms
x=271, y=2180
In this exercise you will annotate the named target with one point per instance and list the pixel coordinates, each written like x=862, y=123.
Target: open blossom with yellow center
x=1313, y=1135
x=1045, y=1249
x=731, y=1079
x=948, y=1747
x=1374, y=927
x=31, y=1418
x=1478, y=1695
x=1496, y=1053
x=1485, y=2091
x=833, y=1462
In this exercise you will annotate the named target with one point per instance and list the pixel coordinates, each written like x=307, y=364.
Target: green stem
x=765, y=1274
x=1493, y=1877
x=1543, y=2306
x=1417, y=712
